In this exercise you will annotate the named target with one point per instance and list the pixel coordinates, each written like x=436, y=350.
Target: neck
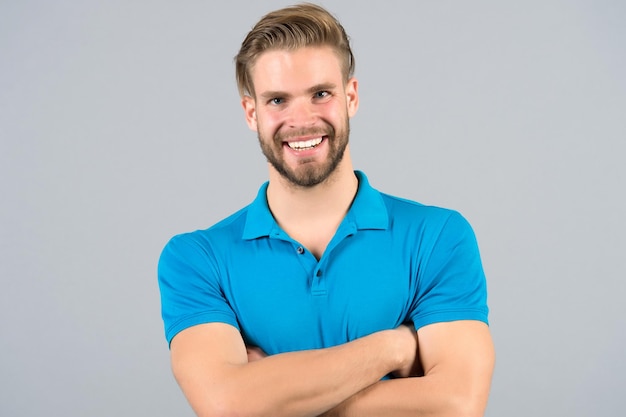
x=321, y=204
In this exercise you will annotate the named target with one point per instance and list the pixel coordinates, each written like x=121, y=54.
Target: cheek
x=336, y=108
x=269, y=123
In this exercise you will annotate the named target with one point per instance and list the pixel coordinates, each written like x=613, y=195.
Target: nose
x=302, y=113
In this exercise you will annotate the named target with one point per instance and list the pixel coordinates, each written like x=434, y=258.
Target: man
x=323, y=296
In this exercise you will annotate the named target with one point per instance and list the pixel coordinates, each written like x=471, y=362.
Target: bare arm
x=458, y=360
x=211, y=365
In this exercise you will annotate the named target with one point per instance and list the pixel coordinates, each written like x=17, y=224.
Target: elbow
x=224, y=400
x=467, y=405
x=218, y=410
x=467, y=411
x=225, y=406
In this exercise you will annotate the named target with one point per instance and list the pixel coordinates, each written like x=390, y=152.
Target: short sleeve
x=451, y=283
x=188, y=278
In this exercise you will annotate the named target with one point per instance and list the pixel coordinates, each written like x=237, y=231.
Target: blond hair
x=291, y=28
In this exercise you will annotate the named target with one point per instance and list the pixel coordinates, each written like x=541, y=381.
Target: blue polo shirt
x=390, y=261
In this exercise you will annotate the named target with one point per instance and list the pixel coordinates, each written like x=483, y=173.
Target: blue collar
x=368, y=211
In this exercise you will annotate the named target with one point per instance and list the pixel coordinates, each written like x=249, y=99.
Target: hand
x=411, y=366
x=255, y=353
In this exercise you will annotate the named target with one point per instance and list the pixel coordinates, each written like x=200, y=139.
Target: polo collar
x=368, y=211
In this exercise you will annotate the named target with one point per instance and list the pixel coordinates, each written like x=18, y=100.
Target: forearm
x=305, y=383
x=458, y=360
x=311, y=382
x=411, y=397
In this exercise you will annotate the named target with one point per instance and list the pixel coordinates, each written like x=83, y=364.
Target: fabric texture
x=391, y=261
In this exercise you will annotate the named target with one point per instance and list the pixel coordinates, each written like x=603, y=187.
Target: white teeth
x=305, y=144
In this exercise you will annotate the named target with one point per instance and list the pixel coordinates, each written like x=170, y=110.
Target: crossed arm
x=210, y=363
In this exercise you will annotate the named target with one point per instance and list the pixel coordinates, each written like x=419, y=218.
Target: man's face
x=301, y=112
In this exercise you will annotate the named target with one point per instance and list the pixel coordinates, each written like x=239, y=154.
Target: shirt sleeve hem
x=200, y=318
x=450, y=315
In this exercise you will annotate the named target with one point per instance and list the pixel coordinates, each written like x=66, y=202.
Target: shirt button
x=300, y=250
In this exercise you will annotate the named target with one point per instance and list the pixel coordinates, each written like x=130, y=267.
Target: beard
x=308, y=173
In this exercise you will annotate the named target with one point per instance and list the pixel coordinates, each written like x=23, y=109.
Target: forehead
x=286, y=70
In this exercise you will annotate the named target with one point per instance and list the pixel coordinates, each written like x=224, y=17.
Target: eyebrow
x=267, y=95
x=321, y=87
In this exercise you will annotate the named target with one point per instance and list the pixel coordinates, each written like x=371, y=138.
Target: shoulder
x=427, y=225
x=404, y=209
x=202, y=241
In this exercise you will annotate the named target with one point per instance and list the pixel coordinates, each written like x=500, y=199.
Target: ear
x=249, y=109
x=352, y=96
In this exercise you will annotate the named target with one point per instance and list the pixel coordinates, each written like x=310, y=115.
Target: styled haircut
x=292, y=28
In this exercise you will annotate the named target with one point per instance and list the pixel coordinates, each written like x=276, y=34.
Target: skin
x=444, y=369
x=307, y=103
x=301, y=95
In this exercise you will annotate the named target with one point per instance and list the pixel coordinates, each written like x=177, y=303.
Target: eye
x=276, y=101
x=321, y=94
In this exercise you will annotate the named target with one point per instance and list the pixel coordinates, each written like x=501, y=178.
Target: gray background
x=120, y=126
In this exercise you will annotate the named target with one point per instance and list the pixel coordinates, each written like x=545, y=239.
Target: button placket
x=319, y=283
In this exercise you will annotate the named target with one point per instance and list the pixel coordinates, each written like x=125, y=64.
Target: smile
x=305, y=144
